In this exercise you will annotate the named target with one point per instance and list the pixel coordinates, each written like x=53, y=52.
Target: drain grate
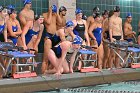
x=78, y=90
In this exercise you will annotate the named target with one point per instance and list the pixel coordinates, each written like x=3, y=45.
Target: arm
x=72, y=59
x=9, y=28
x=110, y=29
x=25, y=30
x=61, y=34
x=90, y=31
x=39, y=37
x=22, y=19
x=48, y=16
x=121, y=29
x=5, y=33
x=58, y=19
x=86, y=33
x=126, y=30
x=105, y=28
x=65, y=46
x=19, y=29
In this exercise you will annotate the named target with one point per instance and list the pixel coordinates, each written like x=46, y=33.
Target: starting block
x=89, y=69
x=135, y=65
x=24, y=75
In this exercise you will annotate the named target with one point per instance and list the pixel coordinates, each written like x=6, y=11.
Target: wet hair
x=111, y=12
x=62, y=8
x=95, y=15
x=105, y=12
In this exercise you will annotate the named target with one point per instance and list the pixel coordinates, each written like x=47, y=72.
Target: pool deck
x=77, y=79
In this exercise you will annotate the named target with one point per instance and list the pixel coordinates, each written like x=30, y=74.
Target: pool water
x=122, y=87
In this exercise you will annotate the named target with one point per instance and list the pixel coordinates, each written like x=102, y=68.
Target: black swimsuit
x=80, y=30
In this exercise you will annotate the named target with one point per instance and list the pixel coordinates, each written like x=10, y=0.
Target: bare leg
x=47, y=47
x=106, y=55
x=111, y=58
x=100, y=56
x=117, y=60
x=139, y=39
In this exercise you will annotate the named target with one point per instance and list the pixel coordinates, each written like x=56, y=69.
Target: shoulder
x=74, y=21
x=31, y=11
x=17, y=22
x=84, y=21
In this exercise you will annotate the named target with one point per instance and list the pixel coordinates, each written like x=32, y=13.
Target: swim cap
x=105, y=12
x=129, y=15
x=77, y=40
x=36, y=17
x=96, y=9
x=1, y=8
x=11, y=7
x=95, y=15
x=84, y=17
x=62, y=8
x=27, y=2
x=78, y=10
x=69, y=23
x=116, y=9
x=54, y=9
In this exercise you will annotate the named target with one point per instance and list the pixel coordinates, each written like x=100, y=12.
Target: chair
x=88, y=53
x=9, y=51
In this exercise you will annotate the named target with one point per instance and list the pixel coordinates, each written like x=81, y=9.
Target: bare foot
x=58, y=75
x=71, y=70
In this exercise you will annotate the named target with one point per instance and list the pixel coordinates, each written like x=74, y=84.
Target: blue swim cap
x=27, y=2
x=11, y=7
x=77, y=40
x=78, y=10
x=69, y=23
x=129, y=15
x=54, y=8
x=1, y=8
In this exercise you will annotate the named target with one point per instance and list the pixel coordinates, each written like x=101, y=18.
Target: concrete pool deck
x=77, y=79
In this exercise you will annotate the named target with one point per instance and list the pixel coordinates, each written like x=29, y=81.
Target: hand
x=25, y=48
x=50, y=9
x=134, y=32
x=113, y=40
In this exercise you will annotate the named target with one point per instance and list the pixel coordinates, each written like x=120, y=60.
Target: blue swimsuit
x=58, y=51
x=14, y=28
x=98, y=35
x=2, y=27
x=30, y=34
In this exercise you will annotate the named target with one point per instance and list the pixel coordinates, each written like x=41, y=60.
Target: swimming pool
x=121, y=87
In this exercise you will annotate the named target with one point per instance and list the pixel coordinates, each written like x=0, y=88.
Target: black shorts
x=117, y=37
